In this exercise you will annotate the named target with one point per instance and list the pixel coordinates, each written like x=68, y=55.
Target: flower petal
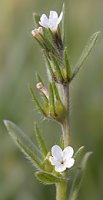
x=44, y=21
x=69, y=162
x=60, y=18
x=60, y=168
x=53, y=15
x=68, y=152
x=54, y=161
x=57, y=152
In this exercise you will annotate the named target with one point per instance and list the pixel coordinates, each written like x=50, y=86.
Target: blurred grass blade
x=47, y=178
x=75, y=186
x=41, y=142
x=23, y=142
x=85, y=52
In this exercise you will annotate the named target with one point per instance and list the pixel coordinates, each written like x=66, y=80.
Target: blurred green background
x=20, y=59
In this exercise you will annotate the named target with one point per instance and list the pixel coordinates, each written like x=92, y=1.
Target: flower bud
x=42, y=89
x=36, y=32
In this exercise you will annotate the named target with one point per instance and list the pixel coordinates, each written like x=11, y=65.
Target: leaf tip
x=6, y=122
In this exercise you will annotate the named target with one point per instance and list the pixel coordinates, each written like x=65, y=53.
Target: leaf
x=56, y=92
x=76, y=183
x=36, y=101
x=47, y=178
x=51, y=100
x=67, y=65
x=31, y=156
x=41, y=142
x=48, y=64
x=57, y=67
x=79, y=155
x=39, y=79
x=23, y=142
x=79, y=151
x=85, y=53
x=36, y=18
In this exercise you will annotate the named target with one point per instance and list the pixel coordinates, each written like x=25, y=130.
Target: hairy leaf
x=47, y=178
x=23, y=142
x=41, y=142
x=78, y=177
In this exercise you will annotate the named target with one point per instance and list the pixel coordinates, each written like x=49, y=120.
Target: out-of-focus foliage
x=20, y=59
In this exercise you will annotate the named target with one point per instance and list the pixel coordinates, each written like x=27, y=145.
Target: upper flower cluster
x=62, y=159
x=52, y=22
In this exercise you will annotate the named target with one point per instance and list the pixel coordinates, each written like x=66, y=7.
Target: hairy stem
x=61, y=191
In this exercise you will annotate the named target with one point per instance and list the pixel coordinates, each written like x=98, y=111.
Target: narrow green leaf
x=79, y=152
x=56, y=92
x=36, y=18
x=85, y=53
x=51, y=100
x=67, y=65
x=39, y=79
x=47, y=178
x=78, y=177
x=31, y=156
x=41, y=142
x=36, y=101
x=57, y=68
x=16, y=133
x=24, y=143
x=48, y=64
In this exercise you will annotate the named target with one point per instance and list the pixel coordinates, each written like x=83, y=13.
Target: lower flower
x=62, y=159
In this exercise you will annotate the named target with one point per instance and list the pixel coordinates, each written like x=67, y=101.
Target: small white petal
x=44, y=21
x=57, y=152
x=60, y=18
x=54, y=161
x=60, y=168
x=68, y=152
x=53, y=15
x=69, y=162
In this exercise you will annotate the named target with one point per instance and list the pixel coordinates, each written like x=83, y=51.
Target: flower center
x=62, y=162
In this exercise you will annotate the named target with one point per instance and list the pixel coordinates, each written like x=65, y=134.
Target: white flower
x=62, y=159
x=52, y=22
x=37, y=31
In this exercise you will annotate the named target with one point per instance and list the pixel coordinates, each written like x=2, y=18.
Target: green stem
x=61, y=189
x=65, y=124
